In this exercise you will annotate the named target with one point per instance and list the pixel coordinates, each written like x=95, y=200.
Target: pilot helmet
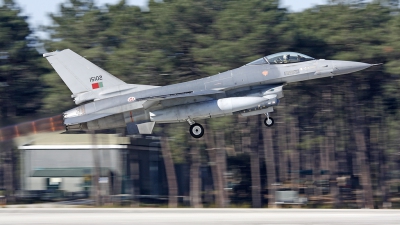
x=286, y=57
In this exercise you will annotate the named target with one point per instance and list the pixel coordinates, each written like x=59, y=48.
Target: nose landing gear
x=268, y=121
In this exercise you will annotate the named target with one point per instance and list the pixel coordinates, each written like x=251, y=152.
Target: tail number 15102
x=96, y=78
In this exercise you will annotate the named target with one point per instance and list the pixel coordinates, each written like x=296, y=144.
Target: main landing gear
x=268, y=121
x=196, y=130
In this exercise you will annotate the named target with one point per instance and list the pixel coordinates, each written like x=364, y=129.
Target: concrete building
x=67, y=162
x=132, y=166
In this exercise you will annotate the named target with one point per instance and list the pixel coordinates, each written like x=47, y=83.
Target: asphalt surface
x=147, y=216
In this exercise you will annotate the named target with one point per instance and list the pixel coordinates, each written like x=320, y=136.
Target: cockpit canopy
x=282, y=58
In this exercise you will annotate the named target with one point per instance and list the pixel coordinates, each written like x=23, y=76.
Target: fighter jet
x=106, y=102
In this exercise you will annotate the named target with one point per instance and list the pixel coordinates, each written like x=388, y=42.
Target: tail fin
x=78, y=73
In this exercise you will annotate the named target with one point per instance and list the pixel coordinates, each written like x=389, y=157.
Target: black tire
x=196, y=130
x=269, y=123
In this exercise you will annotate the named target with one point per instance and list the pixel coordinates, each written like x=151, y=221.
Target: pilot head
x=286, y=58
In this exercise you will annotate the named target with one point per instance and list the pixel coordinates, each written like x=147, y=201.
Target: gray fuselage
x=218, y=95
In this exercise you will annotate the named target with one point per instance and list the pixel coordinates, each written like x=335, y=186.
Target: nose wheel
x=268, y=121
x=196, y=130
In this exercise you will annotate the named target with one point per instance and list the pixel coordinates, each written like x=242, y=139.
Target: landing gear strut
x=268, y=121
x=196, y=130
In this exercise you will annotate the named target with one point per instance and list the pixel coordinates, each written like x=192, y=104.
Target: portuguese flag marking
x=97, y=85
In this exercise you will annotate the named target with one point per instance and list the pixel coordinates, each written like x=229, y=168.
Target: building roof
x=73, y=141
x=70, y=147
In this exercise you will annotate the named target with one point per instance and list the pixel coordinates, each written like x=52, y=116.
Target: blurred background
x=335, y=143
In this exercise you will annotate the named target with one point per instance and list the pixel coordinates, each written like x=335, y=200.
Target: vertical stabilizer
x=78, y=73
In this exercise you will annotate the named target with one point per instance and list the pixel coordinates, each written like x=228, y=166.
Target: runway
x=146, y=216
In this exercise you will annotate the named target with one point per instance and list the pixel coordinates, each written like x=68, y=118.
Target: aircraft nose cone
x=343, y=67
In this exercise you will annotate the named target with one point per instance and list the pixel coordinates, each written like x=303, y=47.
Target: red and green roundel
x=97, y=85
